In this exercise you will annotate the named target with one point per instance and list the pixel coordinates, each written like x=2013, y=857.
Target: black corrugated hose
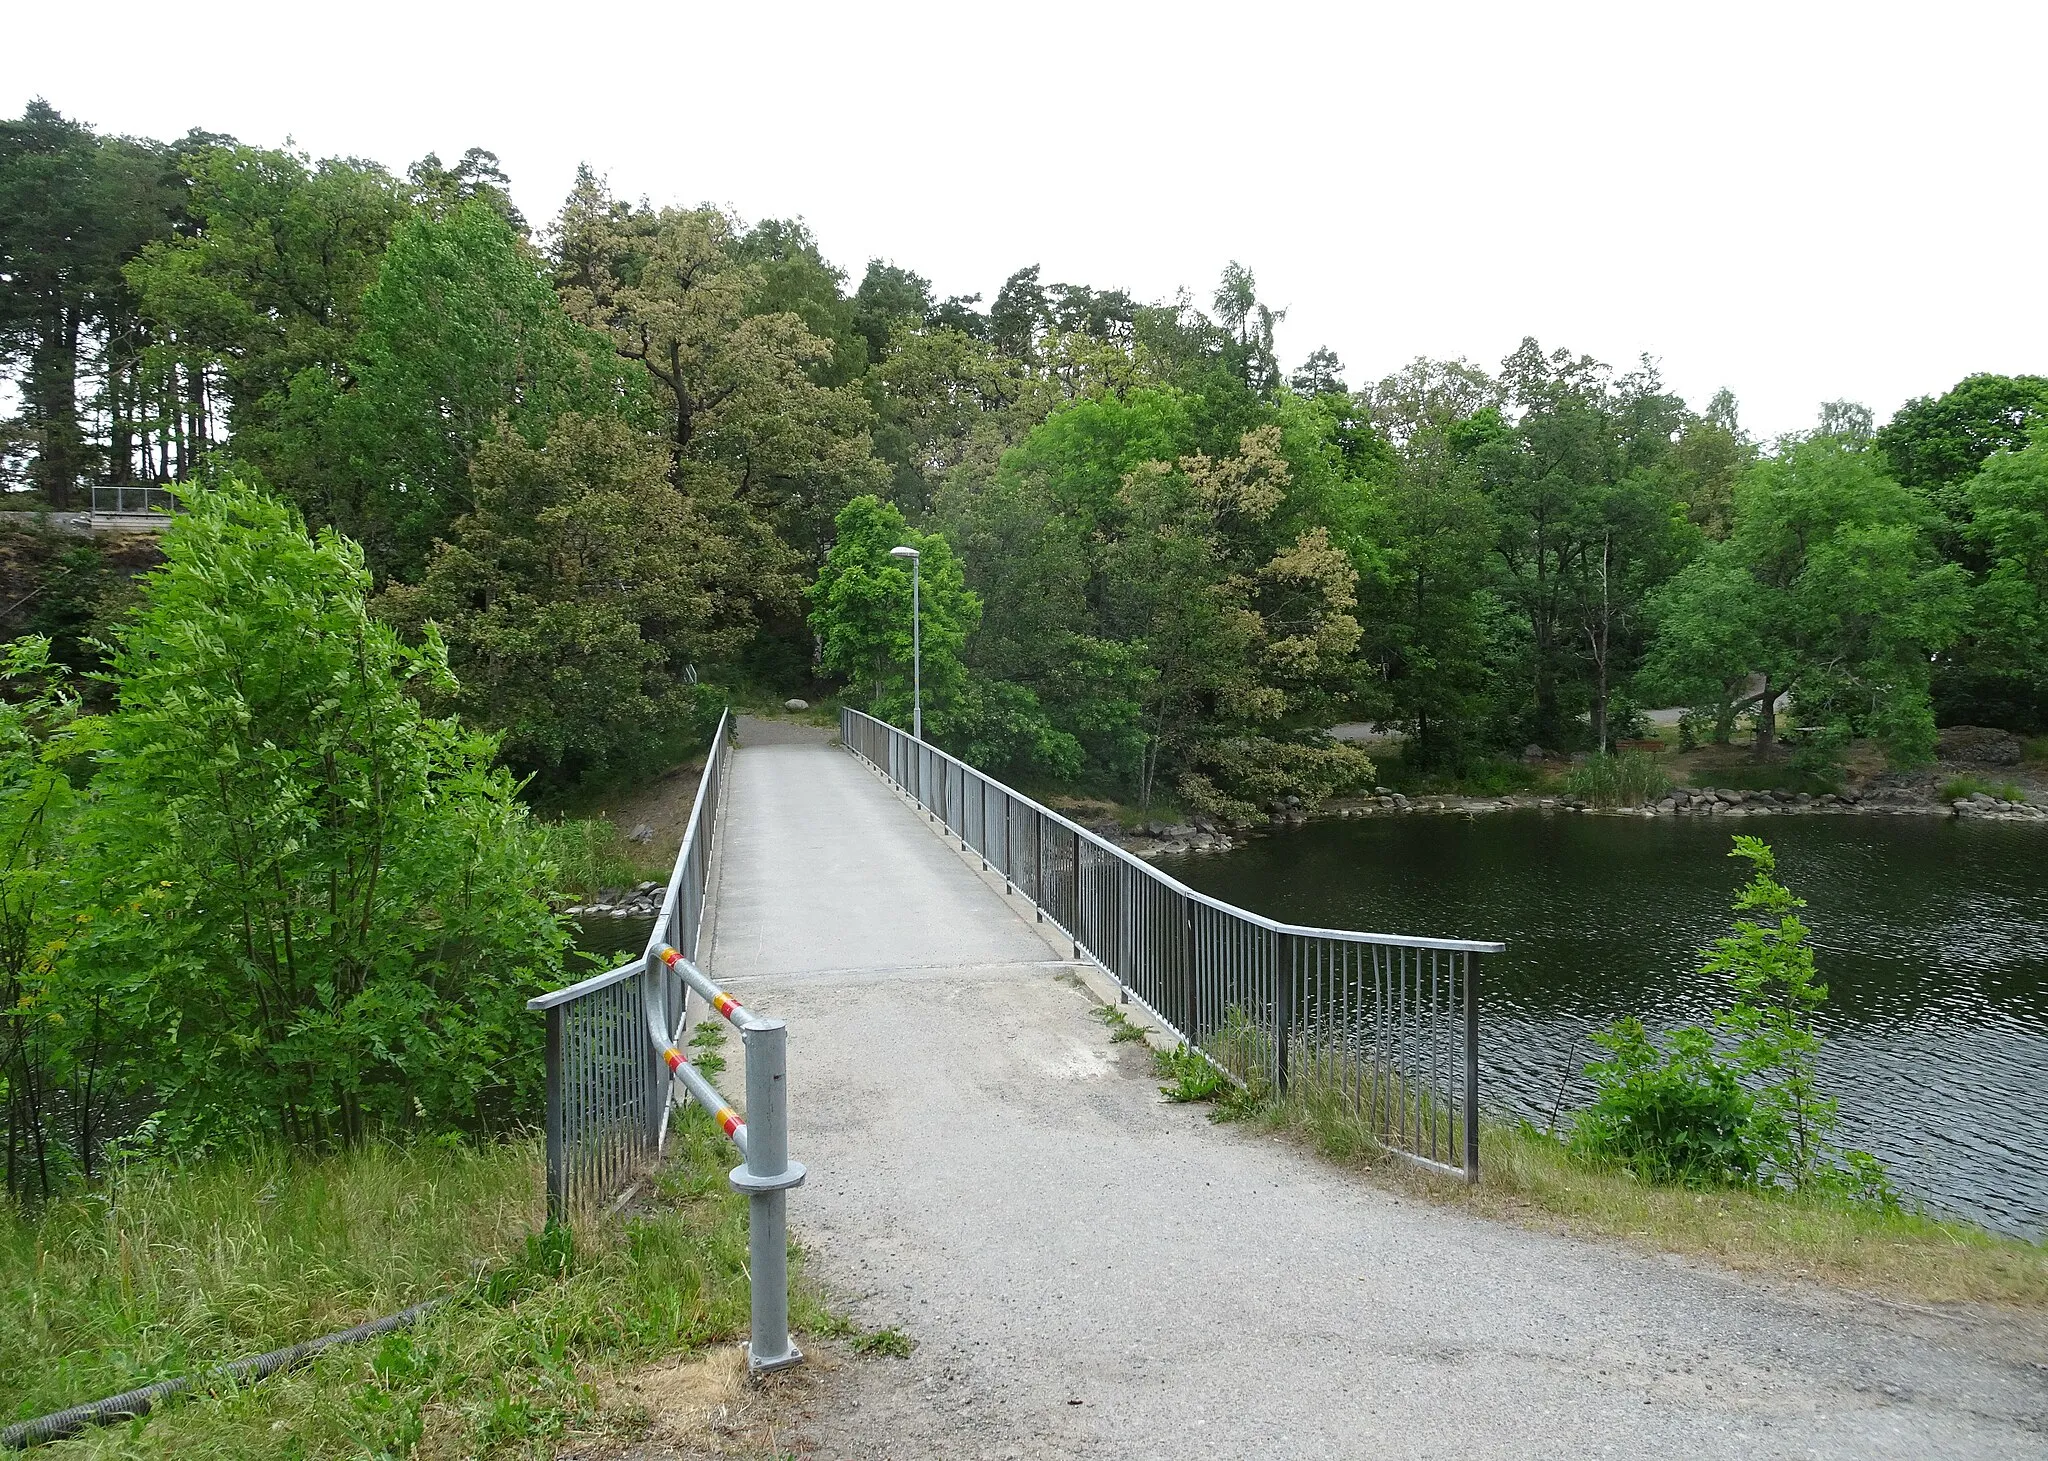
x=70, y=1422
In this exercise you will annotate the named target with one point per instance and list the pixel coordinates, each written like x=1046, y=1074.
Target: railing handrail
x=572, y=992
x=712, y=766
x=1271, y=925
x=638, y=1067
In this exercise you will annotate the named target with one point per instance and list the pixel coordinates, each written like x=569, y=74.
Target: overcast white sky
x=1797, y=201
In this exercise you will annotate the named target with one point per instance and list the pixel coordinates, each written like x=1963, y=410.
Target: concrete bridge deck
x=1089, y=1271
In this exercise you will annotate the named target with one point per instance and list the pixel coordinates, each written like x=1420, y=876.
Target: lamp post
x=916, y=643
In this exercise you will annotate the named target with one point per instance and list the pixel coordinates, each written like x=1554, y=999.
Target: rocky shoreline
x=1156, y=840
x=641, y=901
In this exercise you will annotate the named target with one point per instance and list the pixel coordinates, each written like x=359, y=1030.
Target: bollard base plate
x=758, y=1366
x=748, y=1182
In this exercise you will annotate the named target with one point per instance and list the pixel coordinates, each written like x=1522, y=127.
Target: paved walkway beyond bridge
x=1088, y=1271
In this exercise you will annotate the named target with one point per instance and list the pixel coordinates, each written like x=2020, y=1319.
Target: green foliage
x=461, y=338
x=324, y=906
x=577, y=596
x=1191, y=1076
x=1688, y=1111
x=588, y=855
x=1956, y=788
x=1828, y=587
x=1769, y=963
x=1933, y=443
x=117, y=1289
x=890, y=1342
x=861, y=611
x=1626, y=780
x=39, y=1055
x=1671, y=1113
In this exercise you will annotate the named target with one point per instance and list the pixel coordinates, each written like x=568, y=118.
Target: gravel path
x=1089, y=1271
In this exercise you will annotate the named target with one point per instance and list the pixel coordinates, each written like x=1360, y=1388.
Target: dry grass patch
x=1526, y=1176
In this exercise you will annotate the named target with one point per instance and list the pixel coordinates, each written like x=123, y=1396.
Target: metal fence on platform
x=1386, y=1024
x=617, y=1060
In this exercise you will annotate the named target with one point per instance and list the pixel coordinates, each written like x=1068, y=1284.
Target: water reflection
x=1932, y=936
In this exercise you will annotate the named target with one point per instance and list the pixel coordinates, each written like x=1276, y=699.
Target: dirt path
x=1088, y=1271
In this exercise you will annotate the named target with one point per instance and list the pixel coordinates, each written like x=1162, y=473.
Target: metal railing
x=1386, y=1024
x=131, y=500
x=617, y=1059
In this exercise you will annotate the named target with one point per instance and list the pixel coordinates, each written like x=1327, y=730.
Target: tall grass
x=1524, y=1173
x=590, y=856
x=1626, y=780
x=172, y=1269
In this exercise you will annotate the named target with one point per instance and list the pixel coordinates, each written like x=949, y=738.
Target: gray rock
x=795, y=704
x=1978, y=745
x=641, y=833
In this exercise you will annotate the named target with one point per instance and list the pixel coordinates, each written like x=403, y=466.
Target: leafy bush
x=1626, y=780
x=324, y=906
x=1675, y=1113
x=1686, y=1111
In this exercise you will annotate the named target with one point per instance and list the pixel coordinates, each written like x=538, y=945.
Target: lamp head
x=903, y=553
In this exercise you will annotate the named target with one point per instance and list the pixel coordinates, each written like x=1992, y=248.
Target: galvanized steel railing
x=1389, y=1025
x=616, y=1060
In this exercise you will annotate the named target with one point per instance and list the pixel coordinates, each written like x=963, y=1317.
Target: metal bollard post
x=766, y=1177
x=557, y=1160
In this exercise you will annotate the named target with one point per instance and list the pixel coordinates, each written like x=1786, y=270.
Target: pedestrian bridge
x=1088, y=1270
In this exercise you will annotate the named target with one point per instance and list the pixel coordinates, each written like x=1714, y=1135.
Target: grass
x=1494, y=776
x=173, y=1269
x=590, y=856
x=1121, y=1029
x=1960, y=787
x=891, y=1342
x=2035, y=750
x=1626, y=780
x=1526, y=1175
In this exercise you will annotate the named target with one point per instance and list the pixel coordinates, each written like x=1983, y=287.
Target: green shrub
x=325, y=906
x=1626, y=780
x=1958, y=788
x=1687, y=1112
x=1671, y=1113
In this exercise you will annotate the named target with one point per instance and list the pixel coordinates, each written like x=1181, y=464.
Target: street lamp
x=916, y=644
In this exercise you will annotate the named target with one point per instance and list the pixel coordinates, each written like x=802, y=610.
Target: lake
x=1931, y=934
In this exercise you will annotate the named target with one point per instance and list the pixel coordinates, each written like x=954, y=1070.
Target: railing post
x=1038, y=864
x=1283, y=1006
x=1189, y=1006
x=557, y=1167
x=1077, y=895
x=1471, y=1067
x=766, y=1177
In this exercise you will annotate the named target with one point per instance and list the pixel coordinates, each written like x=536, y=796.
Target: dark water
x=612, y=940
x=1931, y=934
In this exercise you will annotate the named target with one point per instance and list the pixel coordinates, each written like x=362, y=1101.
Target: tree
x=889, y=298
x=861, y=610
x=674, y=293
x=1935, y=442
x=576, y=594
x=460, y=333
x=2008, y=621
x=1584, y=522
x=265, y=283
x=1322, y=372
x=1828, y=589
x=1237, y=632
x=36, y=810
x=74, y=208
x=322, y=906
